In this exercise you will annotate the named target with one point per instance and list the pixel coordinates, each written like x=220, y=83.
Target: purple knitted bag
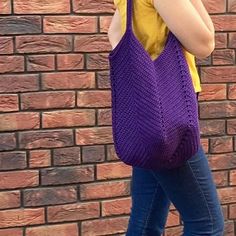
x=154, y=106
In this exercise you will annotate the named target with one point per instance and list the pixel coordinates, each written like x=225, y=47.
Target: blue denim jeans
x=190, y=188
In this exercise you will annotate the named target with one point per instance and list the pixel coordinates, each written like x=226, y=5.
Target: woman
x=190, y=187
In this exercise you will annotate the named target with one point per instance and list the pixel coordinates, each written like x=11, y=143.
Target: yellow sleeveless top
x=151, y=31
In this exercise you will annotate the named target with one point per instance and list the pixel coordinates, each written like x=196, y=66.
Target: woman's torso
x=151, y=31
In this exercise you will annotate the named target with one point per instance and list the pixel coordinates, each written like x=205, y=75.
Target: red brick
x=220, y=178
x=232, y=177
x=9, y=199
x=92, y=43
x=232, y=40
x=229, y=228
x=222, y=161
x=46, y=230
x=68, y=80
x=223, y=57
x=103, y=6
x=113, y=170
x=232, y=211
x=19, y=179
x=213, y=92
x=116, y=207
x=174, y=231
x=173, y=219
x=40, y=62
x=103, y=78
x=19, y=83
x=104, y=117
x=49, y=196
x=215, y=6
x=98, y=135
x=224, y=22
x=12, y=160
x=11, y=64
x=5, y=8
x=220, y=40
x=99, y=98
x=91, y=154
x=41, y=7
x=68, y=118
x=11, y=232
x=43, y=43
x=231, y=126
x=19, y=121
x=6, y=44
x=104, y=190
x=111, y=154
x=21, y=217
x=218, y=74
x=7, y=141
x=97, y=61
x=8, y=102
x=66, y=175
x=70, y=61
x=20, y=25
x=70, y=24
x=39, y=158
x=73, y=212
x=232, y=91
x=227, y=195
x=105, y=22
x=105, y=226
x=212, y=127
x=45, y=139
x=221, y=144
x=46, y=100
x=231, y=6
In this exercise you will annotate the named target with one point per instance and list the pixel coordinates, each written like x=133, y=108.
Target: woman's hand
x=191, y=24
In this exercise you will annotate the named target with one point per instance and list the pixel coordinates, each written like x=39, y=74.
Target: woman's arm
x=191, y=24
x=114, y=30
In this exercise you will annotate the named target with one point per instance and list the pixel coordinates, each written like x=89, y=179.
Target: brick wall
x=59, y=172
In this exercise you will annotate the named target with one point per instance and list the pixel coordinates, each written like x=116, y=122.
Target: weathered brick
x=220, y=178
x=232, y=211
x=103, y=78
x=116, y=207
x=231, y=6
x=11, y=64
x=8, y=102
x=73, y=212
x=104, y=23
x=223, y=57
x=215, y=6
x=103, y=6
x=11, y=232
x=222, y=161
x=104, y=190
x=173, y=219
x=70, y=24
x=6, y=44
x=97, y=61
x=224, y=22
x=212, y=127
x=113, y=170
x=46, y=230
x=7, y=141
x=227, y=195
x=232, y=177
x=98, y=135
x=18, y=179
x=5, y=7
x=21, y=217
x=111, y=154
x=221, y=144
x=70, y=61
x=40, y=62
x=65, y=175
x=99, y=98
x=12, y=160
x=105, y=226
x=19, y=121
x=104, y=117
x=46, y=100
x=68, y=80
x=231, y=126
x=66, y=156
x=18, y=83
x=91, y=154
x=92, y=43
x=68, y=118
x=220, y=40
x=218, y=74
x=9, y=199
x=43, y=43
x=20, y=25
x=232, y=91
x=41, y=7
x=174, y=231
x=39, y=158
x=49, y=196
x=45, y=139
x=218, y=109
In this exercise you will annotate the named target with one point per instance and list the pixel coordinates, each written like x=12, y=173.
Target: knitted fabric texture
x=154, y=106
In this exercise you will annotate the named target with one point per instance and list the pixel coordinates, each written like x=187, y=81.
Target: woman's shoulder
x=121, y=2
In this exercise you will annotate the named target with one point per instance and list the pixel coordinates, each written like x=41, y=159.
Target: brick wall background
x=59, y=172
